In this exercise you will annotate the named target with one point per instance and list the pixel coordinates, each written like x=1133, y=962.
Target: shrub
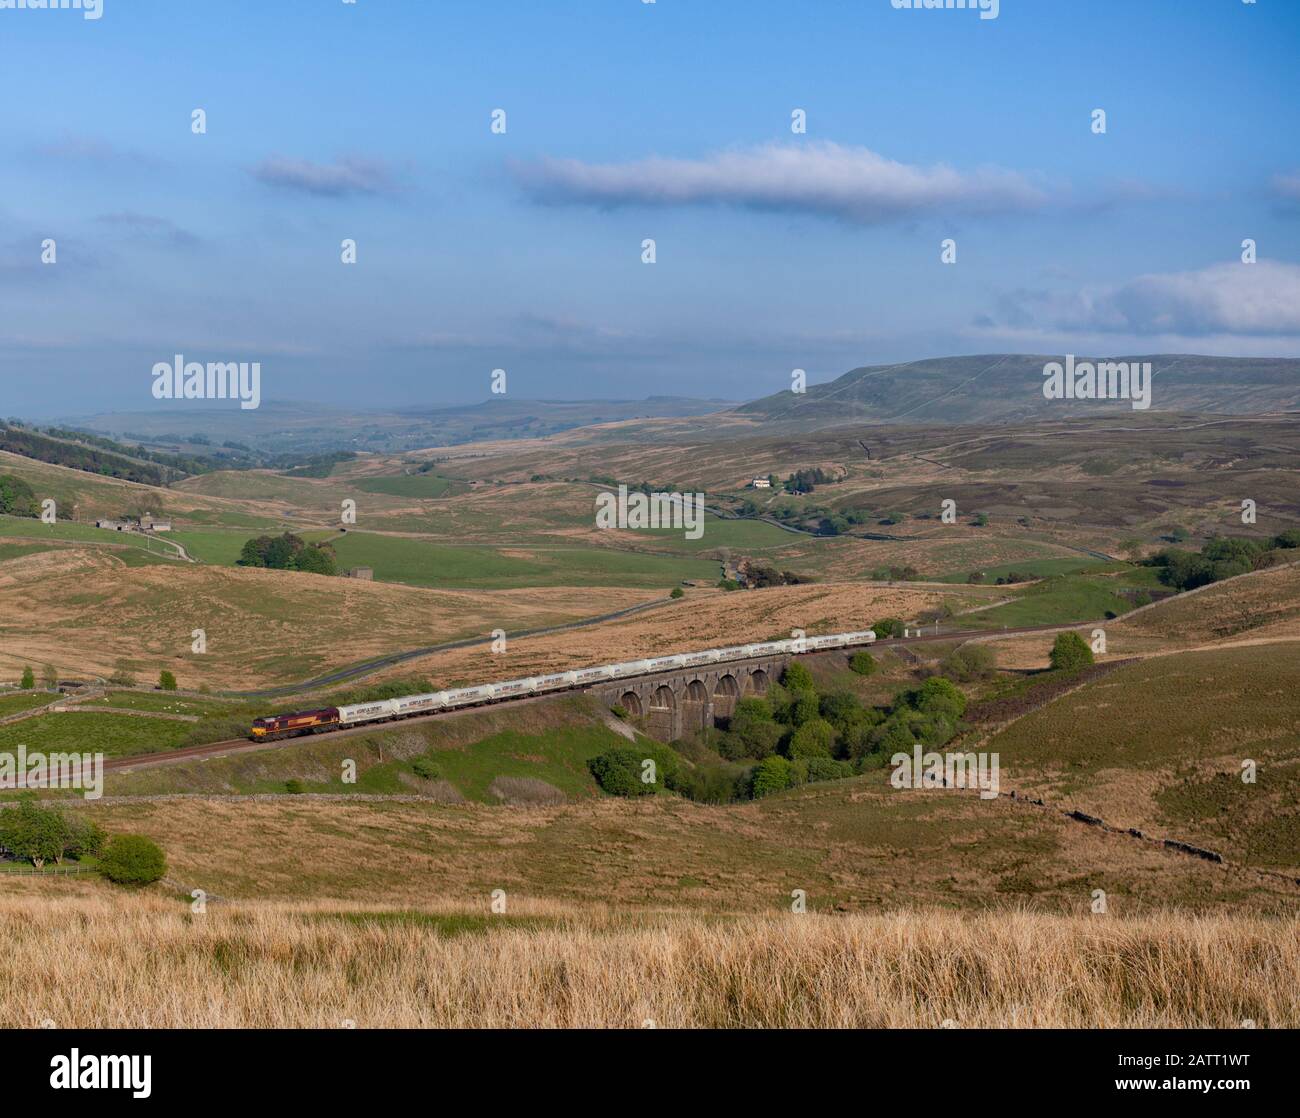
x=618, y=711
x=677, y=592
x=619, y=771
x=823, y=768
x=862, y=662
x=969, y=663
x=166, y=681
x=1070, y=651
x=805, y=708
x=889, y=627
x=294, y=787
x=132, y=860
x=797, y=678
x=29, y=678
x=772, y=774
x=813, y=739
x=941, y=696
x=424, y=768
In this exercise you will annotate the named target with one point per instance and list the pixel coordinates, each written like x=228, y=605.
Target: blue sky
x=628, y=121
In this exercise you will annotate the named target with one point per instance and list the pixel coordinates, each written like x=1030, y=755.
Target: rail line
x=236, y=746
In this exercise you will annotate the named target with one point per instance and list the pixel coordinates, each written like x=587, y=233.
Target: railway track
x=244, y=745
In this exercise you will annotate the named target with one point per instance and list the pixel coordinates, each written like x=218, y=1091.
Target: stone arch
x=663, y=713
x=695, y=706
x=758, y=682
x=631, y=702
x=725, y=693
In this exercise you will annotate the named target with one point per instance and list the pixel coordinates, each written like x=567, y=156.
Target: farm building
x=366, y=574
x=760, y=483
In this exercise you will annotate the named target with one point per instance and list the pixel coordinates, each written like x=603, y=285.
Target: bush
x=797, y=678
x=862, y=662
x=166, y=681
x=29, y=678
x=424, y=768
x=1070, y=651
x=678, y=592
x=889, y=627
x=813, y=739
x=294, y=787
x=772, y=774
x=941, y=696
x=132, y=860
x=618, y=771
x=823, y=768
x=618, y=711
x=969, y=663
x=805, y=707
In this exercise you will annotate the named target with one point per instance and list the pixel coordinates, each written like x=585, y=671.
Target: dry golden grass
x=154, y=964
x=83, y=610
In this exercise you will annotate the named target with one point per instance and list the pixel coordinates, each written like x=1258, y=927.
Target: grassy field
x=1039, y=568
x=1065, y=598
x=545, y=965
x=419, y=562
x=114, y=735
x=1159, y=745
x=159, y=702
x=411, y=485
x=221, y=547
x=24, y=700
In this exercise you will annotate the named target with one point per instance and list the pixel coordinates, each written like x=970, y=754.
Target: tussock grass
x=551, y=965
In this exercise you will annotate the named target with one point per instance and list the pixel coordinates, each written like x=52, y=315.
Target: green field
x=221, y=548
x=114, y=735
x=410, y=485
x=1040, y=568
x=24, y=700
x=159, y=702
x=1060, y=600
x=419, y=562
x=77, y=533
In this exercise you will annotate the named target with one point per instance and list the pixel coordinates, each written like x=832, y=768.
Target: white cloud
x=346, y=175
x=851, y=183
x=1248, y=300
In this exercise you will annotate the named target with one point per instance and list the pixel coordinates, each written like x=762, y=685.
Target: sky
x=625, y=122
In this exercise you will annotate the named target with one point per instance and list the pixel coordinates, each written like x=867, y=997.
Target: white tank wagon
x=410, y=706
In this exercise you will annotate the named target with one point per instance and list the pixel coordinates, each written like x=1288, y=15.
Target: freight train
x=325, y=719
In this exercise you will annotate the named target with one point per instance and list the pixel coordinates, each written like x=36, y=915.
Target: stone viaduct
x=675, y=703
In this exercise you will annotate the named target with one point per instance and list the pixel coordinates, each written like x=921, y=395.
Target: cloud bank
x=852, y=184
x=345, y=176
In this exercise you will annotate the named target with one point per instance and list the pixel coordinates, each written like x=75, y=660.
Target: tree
x=29, y=678
x=677, y=592
x=969, y=663
x=166, y=681
x=812, y=739
x=33, y=833
x=17, y=497
x=50, y=677
x=772, y=774
x=863, y=662
x=939, y=696
x=316, y=560
x=1070, y=651
x=797, y=678
x=132, y=860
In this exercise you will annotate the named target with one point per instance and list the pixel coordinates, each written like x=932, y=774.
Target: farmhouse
x=760, y=483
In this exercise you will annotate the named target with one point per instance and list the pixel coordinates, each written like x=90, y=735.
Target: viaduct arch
x=673, y=704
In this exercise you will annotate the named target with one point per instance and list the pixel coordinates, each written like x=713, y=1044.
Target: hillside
x=1008, y=388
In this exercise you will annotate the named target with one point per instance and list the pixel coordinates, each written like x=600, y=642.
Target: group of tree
x=289, y=553
x=36, y=834
x=805, y=481
x=760, y=576
x=1220, y=558
x=1011, y=578
x=896, y=573
x=17, y=498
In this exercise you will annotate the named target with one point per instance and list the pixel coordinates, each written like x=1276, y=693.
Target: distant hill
x=298, y=428
x=1006, y=388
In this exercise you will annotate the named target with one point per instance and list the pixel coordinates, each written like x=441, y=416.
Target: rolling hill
x=1007, y=387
